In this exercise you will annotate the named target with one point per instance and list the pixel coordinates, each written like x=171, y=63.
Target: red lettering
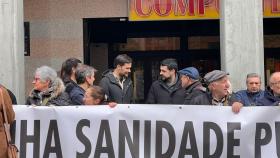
x=143, y=9
x=217, y=6
x=201, y=7
x=274, y=6
x=163, y=8
x=181, y=7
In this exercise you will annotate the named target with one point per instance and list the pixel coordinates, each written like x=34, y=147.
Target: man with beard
x=168, y=89
x=116, y=83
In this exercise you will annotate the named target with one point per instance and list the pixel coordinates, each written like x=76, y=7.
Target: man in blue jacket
x=253, y=92
x=272, y=93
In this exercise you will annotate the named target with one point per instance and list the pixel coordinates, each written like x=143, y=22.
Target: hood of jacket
x=196, y=85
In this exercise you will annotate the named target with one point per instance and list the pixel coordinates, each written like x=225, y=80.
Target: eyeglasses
x=275, y=83
x=36, y=79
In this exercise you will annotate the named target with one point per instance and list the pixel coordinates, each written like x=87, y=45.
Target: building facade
x=59, y=29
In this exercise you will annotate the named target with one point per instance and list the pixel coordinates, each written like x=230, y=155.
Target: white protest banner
x=147, y=131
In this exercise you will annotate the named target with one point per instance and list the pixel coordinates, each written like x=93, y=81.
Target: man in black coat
x=117, y=85
x=190, y=81
x=168, y=89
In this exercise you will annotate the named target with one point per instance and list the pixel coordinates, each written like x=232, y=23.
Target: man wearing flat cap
x=190, y=81
x=218, y=92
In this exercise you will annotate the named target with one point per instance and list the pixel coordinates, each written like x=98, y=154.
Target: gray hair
x=82, y=72
x=46, y=73
x=250, y=75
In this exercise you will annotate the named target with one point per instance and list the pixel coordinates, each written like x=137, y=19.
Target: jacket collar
x=174, y=87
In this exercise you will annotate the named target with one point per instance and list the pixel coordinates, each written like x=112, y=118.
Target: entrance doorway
x=193, y=43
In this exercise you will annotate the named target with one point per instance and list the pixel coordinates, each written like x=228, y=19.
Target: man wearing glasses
x=272, y=93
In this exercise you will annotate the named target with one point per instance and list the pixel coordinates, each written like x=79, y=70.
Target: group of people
x=75, y=86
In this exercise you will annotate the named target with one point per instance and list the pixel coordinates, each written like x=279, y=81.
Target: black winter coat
x=193, y=90
x=38, y=99
x=113, y=90
x=206, y=99
x=69, y=86
x=76, y=95
x=160, y=93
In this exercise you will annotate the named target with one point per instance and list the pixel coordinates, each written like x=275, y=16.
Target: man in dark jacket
x=190, y=81
x=218, y=94
x=85, y=77
x=168, y=89
x=116, y=83
x=272, y=93
x=253, y=92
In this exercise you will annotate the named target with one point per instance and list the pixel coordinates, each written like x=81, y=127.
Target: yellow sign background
x=211, y=10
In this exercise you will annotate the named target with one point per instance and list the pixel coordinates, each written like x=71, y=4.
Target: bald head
x=274, y=83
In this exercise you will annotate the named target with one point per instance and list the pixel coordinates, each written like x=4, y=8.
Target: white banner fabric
x=147, y=131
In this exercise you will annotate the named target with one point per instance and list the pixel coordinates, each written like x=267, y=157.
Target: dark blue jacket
x=247, y=98
x=269, y=99
x=77, y=95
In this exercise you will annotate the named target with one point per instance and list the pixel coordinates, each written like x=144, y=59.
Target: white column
x=241, y=36
x=12, y=47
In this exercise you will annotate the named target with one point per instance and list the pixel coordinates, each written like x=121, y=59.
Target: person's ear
x=88, y=78
x=118, y=67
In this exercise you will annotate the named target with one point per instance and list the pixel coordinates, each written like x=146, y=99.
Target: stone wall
x=56, y=29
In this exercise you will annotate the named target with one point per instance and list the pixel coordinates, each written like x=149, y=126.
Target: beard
x=123, y=76
x=165, y=79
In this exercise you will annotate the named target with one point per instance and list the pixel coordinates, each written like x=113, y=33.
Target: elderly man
x=253, y=93
x=272, y=93
x=190, y=82
x=168, y=89
x=218, y=94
